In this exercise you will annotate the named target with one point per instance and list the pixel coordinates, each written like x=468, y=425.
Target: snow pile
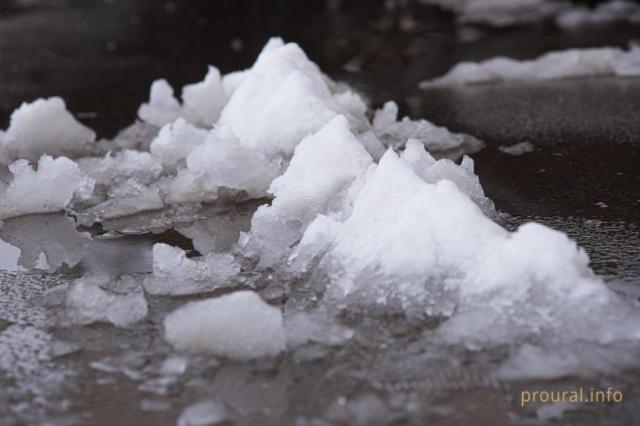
x=175, y=141
x=48, y=189
x=502, y=13
x=202, y=102
x=175, y=274
x=425, y=249
x=254, y=118
x=283, y=86
x=603, y=13
x=318, y=181
x=239, y=325
x=437, y=140
x=87, y=303
x=44, y=127
x=571, y=63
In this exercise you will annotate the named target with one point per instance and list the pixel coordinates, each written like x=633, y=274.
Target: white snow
x=175, y=274
x=518, y=148
x=44, y=127
x=201, y=106
x=424, y=248
x=571, y=63
x=87, y=303
x=603, y=13
x=175, y=141
x=501, y=13
x=204, y=413
x=239, y=325
x=48, y=189
x=437, y=140
x=318, y=180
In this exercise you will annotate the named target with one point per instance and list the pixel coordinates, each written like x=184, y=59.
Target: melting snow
x=571, y=63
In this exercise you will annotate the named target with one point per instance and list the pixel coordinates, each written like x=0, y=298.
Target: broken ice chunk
x=437, y=140
x=163, y=107
x=175, y=141
x=203, y=101
x=214, y=165
x=53, y=235
x=205, y=413
x=318, y=327
x=87, y=303
x=430, y=170
x=239, y=325
x=175, y=274
x=116, y=169
x=284, y=86
x=319, y=176
x=218, y=233
x=517, y=149
x=45, y=127
x=48, y=189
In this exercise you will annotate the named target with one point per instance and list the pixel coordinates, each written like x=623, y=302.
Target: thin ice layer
x=175, y=274
x=239, y=325
x=48, y=189
x=44, y=127
x=424, y=248
x=571, y=63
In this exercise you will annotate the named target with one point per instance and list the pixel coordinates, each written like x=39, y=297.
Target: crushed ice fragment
x=204, y=413
x=518, y=148
x=175, y=274
x=87, y=303
x=45, y=127
x=239, y=325
x=48, y=189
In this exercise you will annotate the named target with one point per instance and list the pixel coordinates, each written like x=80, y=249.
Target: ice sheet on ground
x=571, y=63
x=52, y=235
x=239, y=325
x=175, y=274
x=48, y=189
x=44, y=127
x=86, y=303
